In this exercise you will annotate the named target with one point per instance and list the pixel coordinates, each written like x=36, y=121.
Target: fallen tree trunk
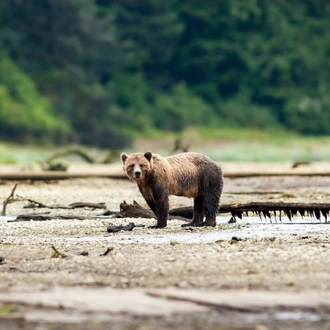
x=61, y=175
x=266, y=209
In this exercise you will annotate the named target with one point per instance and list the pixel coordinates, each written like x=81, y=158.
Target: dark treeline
x=98, y=71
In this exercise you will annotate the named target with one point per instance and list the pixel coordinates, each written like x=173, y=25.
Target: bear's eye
x=131, y=165
x=141, y=165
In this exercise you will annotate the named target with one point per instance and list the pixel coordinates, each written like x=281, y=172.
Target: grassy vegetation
x=11, y=153
x=225, y=144
x=270, y=145
x=272, y=152
x=6, y=309
x=239, y=144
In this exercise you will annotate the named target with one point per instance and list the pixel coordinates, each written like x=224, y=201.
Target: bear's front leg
x=152, y=206
x=162, y=207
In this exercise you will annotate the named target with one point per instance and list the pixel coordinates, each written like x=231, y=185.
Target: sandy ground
x=274, y=276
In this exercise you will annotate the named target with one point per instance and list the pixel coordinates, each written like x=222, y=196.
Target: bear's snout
x=137, y=174
x=137, y=171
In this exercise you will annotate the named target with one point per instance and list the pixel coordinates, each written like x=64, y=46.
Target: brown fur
x=189, y=174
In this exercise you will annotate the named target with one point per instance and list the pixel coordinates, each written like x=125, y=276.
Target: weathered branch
x=45, y=217
x=8, y=200
x=57, y=254
x=108, y=158
x=36, y=204
x=77, y=152
x=87, y=204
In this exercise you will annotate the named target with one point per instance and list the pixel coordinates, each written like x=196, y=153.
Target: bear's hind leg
x=210, y=221
x=198, y=216
x=211, y=209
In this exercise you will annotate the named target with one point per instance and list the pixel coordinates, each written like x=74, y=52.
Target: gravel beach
x=251, y=255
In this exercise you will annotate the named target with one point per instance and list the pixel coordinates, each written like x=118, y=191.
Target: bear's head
x=137, y=165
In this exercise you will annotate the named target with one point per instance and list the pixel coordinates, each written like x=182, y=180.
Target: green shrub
x=179, y=109
x=24, y=113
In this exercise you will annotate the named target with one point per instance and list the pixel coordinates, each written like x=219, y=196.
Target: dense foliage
x=98, y=71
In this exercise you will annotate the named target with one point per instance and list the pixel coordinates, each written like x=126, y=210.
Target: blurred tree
x=70, y=50
x=181, y=108
x=292, y=64
x=151, y=29
x=23, y=112
x=112, y=68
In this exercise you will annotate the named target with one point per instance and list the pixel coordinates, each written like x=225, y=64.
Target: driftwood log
x=266, y=209
x=120, y=175
x=45, y=217
x=35, y=204
x=135, y=210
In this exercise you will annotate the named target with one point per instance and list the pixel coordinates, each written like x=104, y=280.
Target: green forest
x=101, y=72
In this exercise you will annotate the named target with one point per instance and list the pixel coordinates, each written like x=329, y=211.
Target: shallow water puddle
x=247, y=228
x=8, y=217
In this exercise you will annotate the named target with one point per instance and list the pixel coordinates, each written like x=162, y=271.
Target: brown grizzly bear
x=188, y=174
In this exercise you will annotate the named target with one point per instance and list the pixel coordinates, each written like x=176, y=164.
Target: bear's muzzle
x=137, y=174
x=137, y=171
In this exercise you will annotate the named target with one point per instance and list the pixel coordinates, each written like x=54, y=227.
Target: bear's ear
x=148, y=155
x=123, y=157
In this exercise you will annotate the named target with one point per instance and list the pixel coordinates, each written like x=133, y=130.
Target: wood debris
x=57, y=254
x=9, y=199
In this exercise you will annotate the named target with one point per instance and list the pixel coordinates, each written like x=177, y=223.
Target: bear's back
x=187, y=172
